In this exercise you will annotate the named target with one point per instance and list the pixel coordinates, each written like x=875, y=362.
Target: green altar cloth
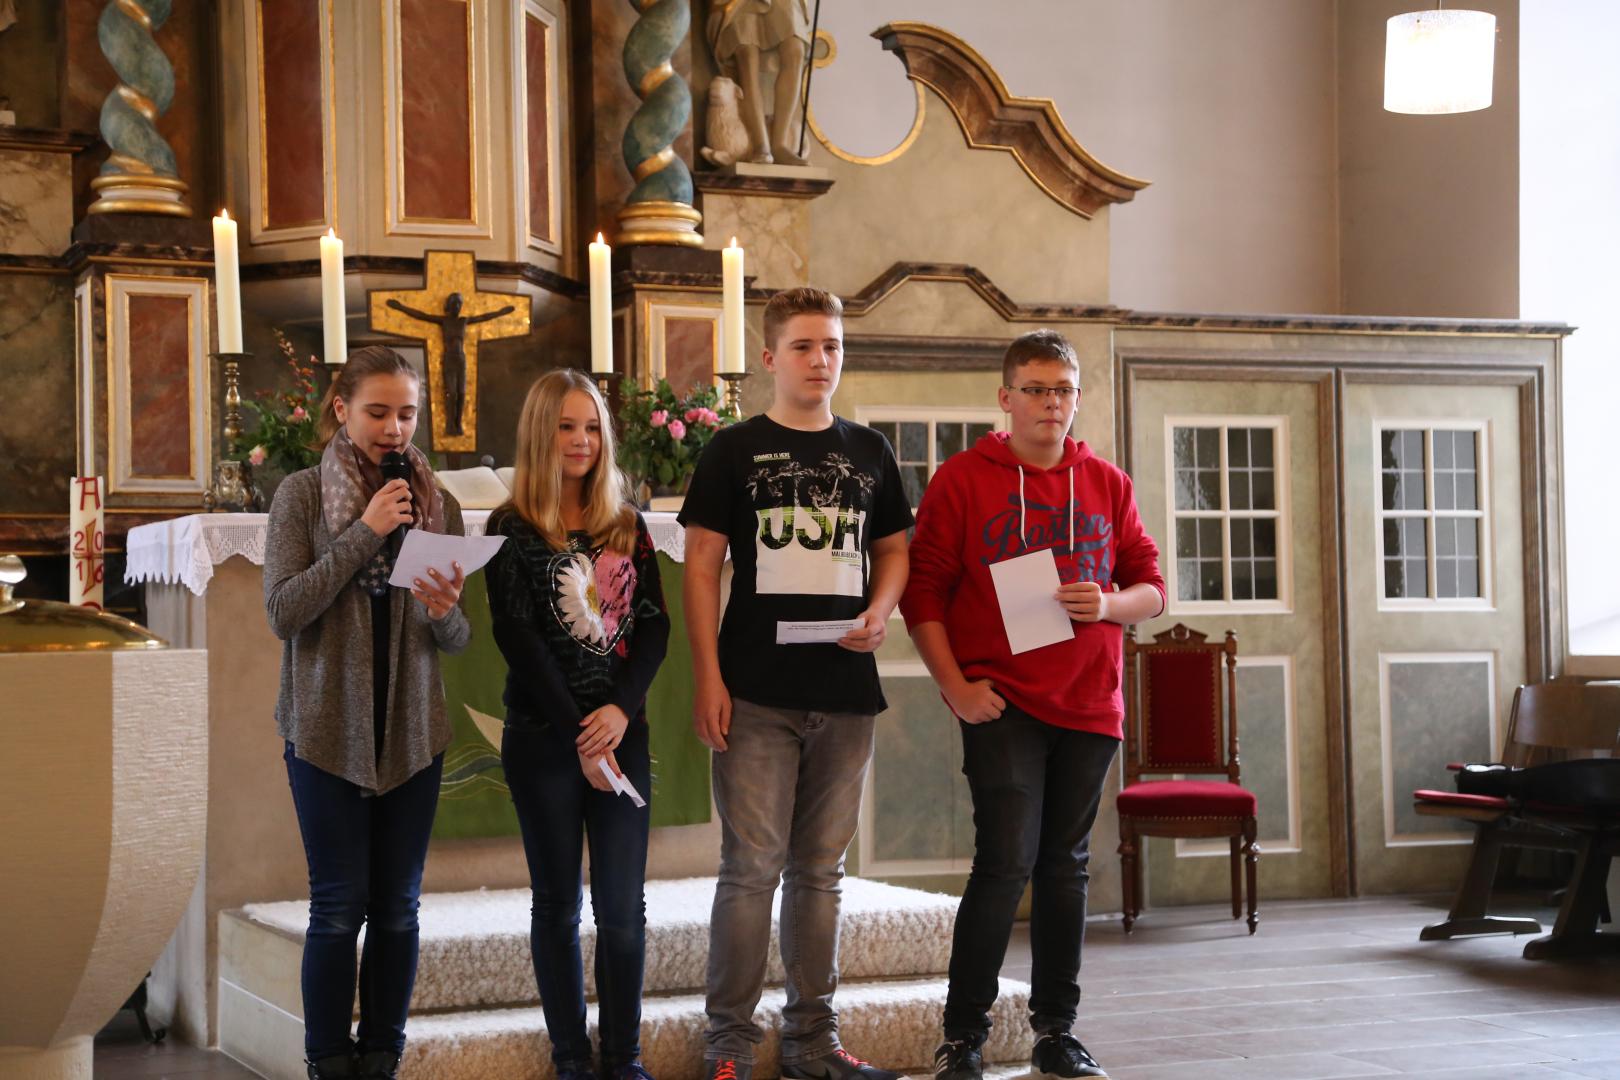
x=473, y=798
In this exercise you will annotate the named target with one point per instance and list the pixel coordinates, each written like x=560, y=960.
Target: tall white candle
x=86, y=547
x=227, y=284
x=601, y=307
x=731, y=311
x=333, y=316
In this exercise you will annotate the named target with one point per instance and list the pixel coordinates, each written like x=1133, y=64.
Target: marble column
x=140, y=176
x=659, y=210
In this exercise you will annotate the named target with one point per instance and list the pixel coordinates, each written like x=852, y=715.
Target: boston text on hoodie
x=985, y=506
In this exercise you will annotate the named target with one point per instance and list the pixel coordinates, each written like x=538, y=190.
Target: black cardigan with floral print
x=579, y=628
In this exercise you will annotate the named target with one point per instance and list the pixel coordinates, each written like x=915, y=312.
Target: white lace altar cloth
x=185, y=550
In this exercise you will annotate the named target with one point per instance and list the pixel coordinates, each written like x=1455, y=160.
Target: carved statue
x=453, y=328
x=742, y=33
x=727, y=139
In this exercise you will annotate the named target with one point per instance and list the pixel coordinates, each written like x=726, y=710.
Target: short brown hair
x=804, y=300
x=1038, y=345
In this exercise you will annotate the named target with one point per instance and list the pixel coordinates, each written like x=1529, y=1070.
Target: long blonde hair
x=610, y=517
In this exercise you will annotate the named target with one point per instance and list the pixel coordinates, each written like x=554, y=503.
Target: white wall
x=1569, y=236
x=1228, y=107
x=1428, y=205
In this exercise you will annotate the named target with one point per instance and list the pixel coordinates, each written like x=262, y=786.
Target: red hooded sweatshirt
x=984, y=506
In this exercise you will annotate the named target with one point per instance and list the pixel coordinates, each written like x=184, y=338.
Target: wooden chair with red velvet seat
x=1173, y=725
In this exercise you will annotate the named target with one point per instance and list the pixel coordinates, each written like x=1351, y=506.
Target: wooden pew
x=1554, y=721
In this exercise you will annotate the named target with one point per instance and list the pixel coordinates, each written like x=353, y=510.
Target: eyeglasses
x=1062, y=393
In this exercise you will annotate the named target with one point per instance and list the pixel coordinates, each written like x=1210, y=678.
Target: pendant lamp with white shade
x=1439, y=61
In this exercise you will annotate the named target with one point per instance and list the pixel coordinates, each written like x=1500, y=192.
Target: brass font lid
x=50, y=626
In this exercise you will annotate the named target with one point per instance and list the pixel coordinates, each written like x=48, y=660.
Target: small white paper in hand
x=799, y=633
x=1026, y=589
x=422, y=550
x=621, y=784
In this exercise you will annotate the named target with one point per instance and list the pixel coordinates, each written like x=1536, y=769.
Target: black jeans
x=558, y=812
x=365, y=858
x=1035, y=790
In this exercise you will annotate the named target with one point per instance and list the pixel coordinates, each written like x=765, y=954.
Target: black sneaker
x=838, y=1065
x=336, y=1067
x=1059, y=1056
x=379, y=1065
x=958, y=1059
x=726, y=1069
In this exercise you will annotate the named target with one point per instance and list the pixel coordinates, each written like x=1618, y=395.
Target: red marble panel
x=689, y=353
x=436, y=109
x=159, y=335
x=89, y=78
x=293, y=159
x=538, y=93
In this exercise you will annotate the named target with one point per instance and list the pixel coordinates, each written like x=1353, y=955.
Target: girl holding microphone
x=361, y=707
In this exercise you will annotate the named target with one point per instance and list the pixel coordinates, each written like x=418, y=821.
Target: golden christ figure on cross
x=450, y=316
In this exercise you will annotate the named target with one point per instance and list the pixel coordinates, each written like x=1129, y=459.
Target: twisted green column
x=659, y=210
x=140, y=176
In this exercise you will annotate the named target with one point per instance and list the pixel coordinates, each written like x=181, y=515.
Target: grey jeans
x=788, y=789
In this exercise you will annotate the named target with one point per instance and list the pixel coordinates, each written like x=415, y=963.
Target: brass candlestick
x=233, y=490
x=233, y=398
x=734, y=390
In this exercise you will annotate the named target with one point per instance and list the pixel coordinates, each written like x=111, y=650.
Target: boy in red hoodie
x=1039, y=728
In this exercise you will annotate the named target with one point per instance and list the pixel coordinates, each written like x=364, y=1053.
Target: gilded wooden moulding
x=993, y=118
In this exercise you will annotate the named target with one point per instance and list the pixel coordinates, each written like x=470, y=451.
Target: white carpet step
x=893, y=1024
x=475, y=945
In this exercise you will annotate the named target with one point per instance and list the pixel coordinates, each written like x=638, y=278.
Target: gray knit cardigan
x=324, y=619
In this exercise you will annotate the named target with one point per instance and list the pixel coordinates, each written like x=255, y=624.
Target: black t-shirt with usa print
x=801, y=510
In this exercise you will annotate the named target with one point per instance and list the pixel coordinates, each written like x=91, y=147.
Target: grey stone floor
x=1327, y=989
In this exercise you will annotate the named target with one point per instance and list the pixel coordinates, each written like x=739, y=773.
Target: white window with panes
x=1433, y=545
x=923, y=438
x=1228, y=494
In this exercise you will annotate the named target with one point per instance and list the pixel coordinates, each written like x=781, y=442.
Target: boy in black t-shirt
x=812, y=508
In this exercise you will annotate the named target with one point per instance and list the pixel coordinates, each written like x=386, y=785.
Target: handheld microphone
x=396, y=466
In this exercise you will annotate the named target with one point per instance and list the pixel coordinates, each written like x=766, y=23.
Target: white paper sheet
x=424, y=549
x=621, y=784
x=1026, y=589
x=799, y=633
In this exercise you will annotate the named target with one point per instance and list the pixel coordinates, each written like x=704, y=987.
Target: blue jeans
x=788, y=789
x=1036, y=788
x=365, y=858
x=559, y=813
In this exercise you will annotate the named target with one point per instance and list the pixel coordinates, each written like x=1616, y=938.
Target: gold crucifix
x=450, y=317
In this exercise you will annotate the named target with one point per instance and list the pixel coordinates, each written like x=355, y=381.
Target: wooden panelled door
x=1435, y=608
x=1229, y=475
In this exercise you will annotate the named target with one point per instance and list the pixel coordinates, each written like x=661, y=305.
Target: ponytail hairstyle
x=362, y=365
x=610, y=517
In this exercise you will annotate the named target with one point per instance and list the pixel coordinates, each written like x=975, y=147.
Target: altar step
x=893, y=1023
x=475, y=1008
x=475, y=945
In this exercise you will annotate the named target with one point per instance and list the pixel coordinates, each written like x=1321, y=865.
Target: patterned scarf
x=349, y=480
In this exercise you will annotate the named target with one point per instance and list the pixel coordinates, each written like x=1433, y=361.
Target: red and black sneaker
x=838, y=1065
x=726, y=1069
